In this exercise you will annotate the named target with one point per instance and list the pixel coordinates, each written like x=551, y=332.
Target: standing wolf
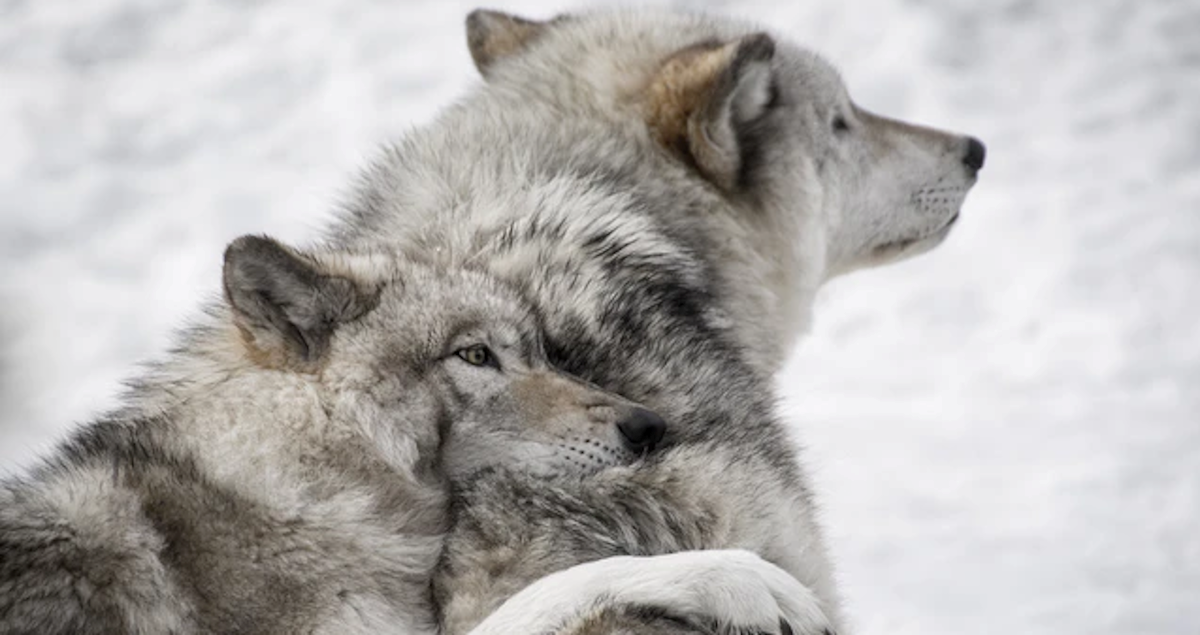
x=669, y=191
x=285, y=471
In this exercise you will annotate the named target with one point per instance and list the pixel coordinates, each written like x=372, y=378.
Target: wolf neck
x=219, y=406
x=771, y=265
x=266, y=434
x=796, y=239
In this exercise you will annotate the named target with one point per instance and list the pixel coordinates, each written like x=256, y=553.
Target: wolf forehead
x=429, y=305
x=377, y=298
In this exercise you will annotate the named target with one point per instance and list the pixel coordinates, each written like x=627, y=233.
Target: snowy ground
x=1006, y=432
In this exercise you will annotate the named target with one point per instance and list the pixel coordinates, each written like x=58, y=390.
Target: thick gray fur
x=669, y=191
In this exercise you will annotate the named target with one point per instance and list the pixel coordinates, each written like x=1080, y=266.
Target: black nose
x=976, y=153
x=642, y=429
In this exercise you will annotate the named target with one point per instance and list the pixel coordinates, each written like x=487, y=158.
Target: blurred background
x=1004, y=433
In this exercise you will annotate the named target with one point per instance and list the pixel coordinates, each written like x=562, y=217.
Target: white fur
x=734, y=587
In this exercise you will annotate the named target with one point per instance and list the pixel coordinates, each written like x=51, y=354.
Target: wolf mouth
x=953, y=219
x=905, y=243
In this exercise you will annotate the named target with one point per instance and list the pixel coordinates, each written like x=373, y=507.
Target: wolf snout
x=641, y=429
x=976, y=153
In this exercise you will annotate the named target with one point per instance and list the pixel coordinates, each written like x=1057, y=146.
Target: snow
x=1005, y=433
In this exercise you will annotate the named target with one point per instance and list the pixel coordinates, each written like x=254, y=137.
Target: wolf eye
x=478, y=355
x=840, y=124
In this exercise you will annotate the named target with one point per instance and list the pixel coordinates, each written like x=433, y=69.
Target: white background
x=1005, y=433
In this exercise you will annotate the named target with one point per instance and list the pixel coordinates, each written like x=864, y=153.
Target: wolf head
x=425, y=362
x=766, y=123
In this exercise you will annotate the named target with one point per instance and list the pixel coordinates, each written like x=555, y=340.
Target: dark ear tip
x=247, y=243
x=480, y=20
x=251, y=244
x=757, y=47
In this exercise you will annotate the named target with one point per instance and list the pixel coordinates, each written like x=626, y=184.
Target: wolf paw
x=737, y=589
x=734, y=590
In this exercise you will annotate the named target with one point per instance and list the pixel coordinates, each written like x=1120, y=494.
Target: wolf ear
x=705, y=95
x=285, y=306
x=493, y=36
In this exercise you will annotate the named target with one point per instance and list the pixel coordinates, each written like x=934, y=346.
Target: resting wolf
x=669, y=191
x=286, y=469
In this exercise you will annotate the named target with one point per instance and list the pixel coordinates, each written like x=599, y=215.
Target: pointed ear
x=493, y=36
x=285, y=306
x=704, y=96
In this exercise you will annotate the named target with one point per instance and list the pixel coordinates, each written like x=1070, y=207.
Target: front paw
x=739, y=592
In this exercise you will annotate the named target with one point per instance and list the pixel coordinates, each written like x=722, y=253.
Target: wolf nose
x=642, y=429
x=976, y=153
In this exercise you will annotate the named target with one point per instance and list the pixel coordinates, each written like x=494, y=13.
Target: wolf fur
x=669, y=191
x=285, y=470
x=737, y=590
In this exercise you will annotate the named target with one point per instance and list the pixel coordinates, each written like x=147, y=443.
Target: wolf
x=669, y=191
x=287, y=468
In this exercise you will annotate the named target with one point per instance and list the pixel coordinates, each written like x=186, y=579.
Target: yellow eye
x=477, y=355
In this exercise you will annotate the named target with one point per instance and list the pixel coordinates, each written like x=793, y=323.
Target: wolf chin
x=669, y=191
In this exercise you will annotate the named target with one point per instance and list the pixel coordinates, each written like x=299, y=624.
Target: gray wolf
x=669, y=191
x=285, y=470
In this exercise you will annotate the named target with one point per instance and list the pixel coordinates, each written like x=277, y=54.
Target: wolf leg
x=735, y=590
